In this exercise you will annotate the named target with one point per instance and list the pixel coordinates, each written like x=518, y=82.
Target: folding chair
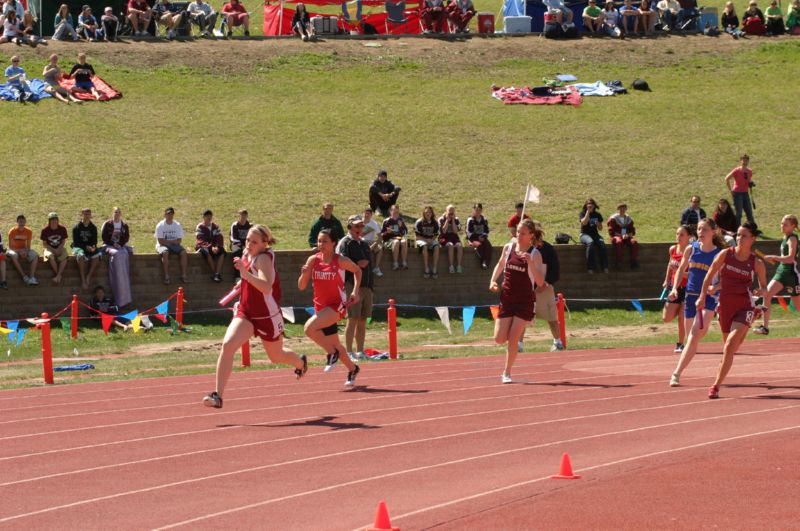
x=395, y=13
x=351, y=16
x=223, y=26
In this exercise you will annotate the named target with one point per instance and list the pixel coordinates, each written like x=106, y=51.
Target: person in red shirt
x=326, y=271
x=739, y=181
x=209, y=243
x=54, y=238
x=623, y=233
x=514, y=220
x=236, y=15
x=139, y=14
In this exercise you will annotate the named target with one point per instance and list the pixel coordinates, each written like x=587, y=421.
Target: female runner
x=325, y=270
x=697, y=260
x=257, y=313
x=736, y=267
x=674, y=308
x=786, y=275
x=521, y=266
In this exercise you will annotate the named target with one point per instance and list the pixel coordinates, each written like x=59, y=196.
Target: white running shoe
x=675, y=381
x=351, y=376
x=32, y=281
x=557, y=346
x=506, y=378
x=378, y=272
x=332, y=359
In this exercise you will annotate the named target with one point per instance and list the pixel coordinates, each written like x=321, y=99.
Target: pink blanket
x=514, y=96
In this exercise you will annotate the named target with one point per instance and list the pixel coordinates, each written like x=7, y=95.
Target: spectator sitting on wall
x=169, y=234
x=426, y=230
x=726, y=221
x=592, y=19
x=110, y=24
x=623, y=233
x=648, y=17
x=236, y=15
x=514, y=220
x=478, y=235
x=105, y=304
x=692, y=215
x=394, y=233
x=210, y=243
x=116, y=234
x=629, y=13
x=382, y=194
x=611, y=20
x=64, y=24
x=54, y=238
x=460, y=12
x=201, y=13
x=371, y=235
x=326, y=221
x=591, y=223
x=238, y=236
x=139, y=15
x=84, y=246
x=87, y=24
x=668, y=13
x=19, y=248
x=449, y=229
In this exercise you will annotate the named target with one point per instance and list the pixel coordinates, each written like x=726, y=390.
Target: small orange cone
x=566, y=469
x=382, y=522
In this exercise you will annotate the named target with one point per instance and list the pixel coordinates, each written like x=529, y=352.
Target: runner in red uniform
x=674, y=308
x=736, y=267
x=257, y=313
x=522, y=269
x=325, y=270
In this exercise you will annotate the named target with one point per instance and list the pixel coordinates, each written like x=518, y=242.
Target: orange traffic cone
x=566, y=469
x=382, y=522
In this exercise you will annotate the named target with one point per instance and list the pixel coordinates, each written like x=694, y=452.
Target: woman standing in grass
x=257, y=313
x=325, y=270
x=674, y=307
x=787, y=276
x=521, y=266
x=697, y=259
x=736, y=267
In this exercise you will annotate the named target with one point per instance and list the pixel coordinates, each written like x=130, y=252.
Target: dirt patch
x=242, y=56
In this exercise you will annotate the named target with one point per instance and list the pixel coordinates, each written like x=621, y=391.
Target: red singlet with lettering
x=264, y=311
x=328, y=282
x=735, y=297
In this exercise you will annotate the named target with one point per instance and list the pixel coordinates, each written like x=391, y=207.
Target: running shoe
x=520, y=346
x=506, y=379
x=32, y=281
x=332, y=359
x=713, y=392
x=557, y=346
x=351, y=376
x=213, y=400
x=675, y=381
x=761, y=329
x=301, y=372
x=378, y=272
x=678, y=347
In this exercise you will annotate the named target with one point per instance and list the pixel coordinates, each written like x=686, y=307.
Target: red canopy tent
x=278, y=16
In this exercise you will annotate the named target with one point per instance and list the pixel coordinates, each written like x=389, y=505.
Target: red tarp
x=107, y=92
x=525, y=96
x=274, y=24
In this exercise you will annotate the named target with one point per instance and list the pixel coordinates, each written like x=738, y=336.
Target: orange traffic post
x=562, y=324
x=73, y=325
x=382, y=521
x=391, y=317
x=47, y=349
x=179, y=308
x=246, y=353
x=565, y=470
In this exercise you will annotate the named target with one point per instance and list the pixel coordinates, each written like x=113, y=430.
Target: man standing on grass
x=357, y=250
x=84, y=246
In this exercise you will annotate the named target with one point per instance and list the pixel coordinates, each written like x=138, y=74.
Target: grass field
x=281, y=126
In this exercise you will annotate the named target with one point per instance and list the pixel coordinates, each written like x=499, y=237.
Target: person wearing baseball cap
x=110, y=24
x=383, y=194
x=356, y=249
x=54, y=238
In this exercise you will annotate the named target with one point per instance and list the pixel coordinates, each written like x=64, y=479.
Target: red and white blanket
x=525, y=96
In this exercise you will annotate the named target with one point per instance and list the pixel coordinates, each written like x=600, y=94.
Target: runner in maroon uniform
x=325, y=270
x=521, y=266
x=257, y=313
x=736, y=267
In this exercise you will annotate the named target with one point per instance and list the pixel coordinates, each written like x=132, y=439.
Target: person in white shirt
x=372, y=231
x=668, y=11
x=169, y=234
x=611, y=20
x=202, y=14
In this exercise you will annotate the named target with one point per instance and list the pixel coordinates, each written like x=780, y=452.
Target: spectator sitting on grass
x=52, y=77
x=54, y=238
x=169, y=234
x=628, y=13
x=611, y=21
x=371, y=235
x=514, y=220
x=326, y=221
x=84, y=246
x=17, y=83
x=668, y=13
x=591, y=223
x=793, y=16
x=87, y=25
x=622, y=233
x=210, y=243
x=301, y=23
x=753, y=21
x=433, y=15
x=139, y=15
x=775, y=25
x=688, y=12
x=115, y=234
x=236, y=15
x=202, y=14
x=426, y=229
x=460, y=12
x=562, y=13
x=478, y=235
x=730, y=22
x=19, y=248
x=168, y=15
x=648, y=17
x=394, y=233
x=692, y=215
x=382, y=194
x=110, y=24
x=104, y=304
x=449, y=229
x=238, y=236
x=82, y=73
x=592, y=20
x=64, y=24
x=13, y=5
x=3, y=283
x=726, y=221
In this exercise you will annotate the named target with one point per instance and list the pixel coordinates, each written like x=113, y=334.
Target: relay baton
x=232, y=294
x=663, y=295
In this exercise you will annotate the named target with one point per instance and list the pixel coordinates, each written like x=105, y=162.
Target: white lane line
x=406, y=471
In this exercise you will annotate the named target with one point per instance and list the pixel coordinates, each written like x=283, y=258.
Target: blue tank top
x=699, y=264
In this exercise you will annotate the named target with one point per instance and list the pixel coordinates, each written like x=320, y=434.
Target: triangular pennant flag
x=20, y=336
x=288, y=313
x=784, y=304
x=106, y=320
x=532, y=194
x=130, y=315
x=162, y=310
x=12, y=325
x=136, y=323
x=638, y=305
x=66, y=325
x=495, y=311
x=310, y=310
x=444, y=315
x=5, y=330
x=467, y=315
x=174, y=324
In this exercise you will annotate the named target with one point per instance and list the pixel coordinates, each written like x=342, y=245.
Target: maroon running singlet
x=263, y=311
x=735, y=297
x=517, y=297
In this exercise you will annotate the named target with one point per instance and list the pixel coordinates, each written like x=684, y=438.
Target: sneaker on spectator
x=32, y=281
x=557, y=346
x=404, y=265
x=506, y=379
x=26, y=280
x=678, y=348
x=426, y=274
x=452, y=269
x=361, y=355
x=459, y=269
x=675, y=380
x=170, y=34
x=395, y=266
x=434, y=275
x=3, y=284
x=351, y=376
x=378, y=272
x=230, y=34
x=246, y=33
x=332, y=359
x=213, y=400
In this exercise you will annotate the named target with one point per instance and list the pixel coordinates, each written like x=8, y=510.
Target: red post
x=73, y=325
x=391, y=317
x=246, y=353
x=179, y=308
x=47, y=350
x=562, y=324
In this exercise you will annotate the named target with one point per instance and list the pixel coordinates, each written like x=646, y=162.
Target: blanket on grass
x=537, y=96
x=107, y=92
x=12, y=94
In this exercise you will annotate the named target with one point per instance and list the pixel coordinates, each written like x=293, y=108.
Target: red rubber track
x=442, y=441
